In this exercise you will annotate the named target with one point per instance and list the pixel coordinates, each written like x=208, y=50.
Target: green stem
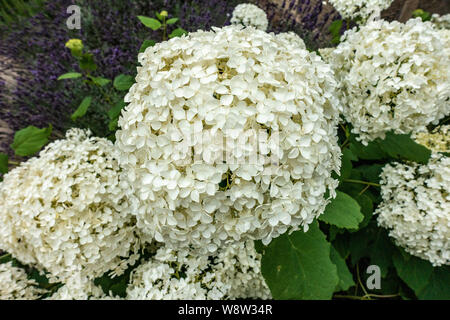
x=362, y=182
x=14, y=163
x=366, y=294
x=5, y=255
x=164, y=28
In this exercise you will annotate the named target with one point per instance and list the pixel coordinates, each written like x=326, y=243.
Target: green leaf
x=3, y=163
x=397, y=146
x=112, y=125
x=123, y=82
x=345, y=277
x=114, y=112
x=150, y=22
x=335, y=29
x=70, y=75
x=401, y=146
x=100, y=81
x=177, y=33
x=82, y=108
x=159, y=16
x=172, y=21
x=438, y=285
x=298, y=266
x=381, y=251
x=87, y=62
x=413, y=271
x=347, y=157
x=30, y=140
x=146, y=44
x=343, y=212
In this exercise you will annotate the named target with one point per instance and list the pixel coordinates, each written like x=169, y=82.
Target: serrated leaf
x=345, y=277
x=82, y=108
x=3, y=163
x=70, y=75
x=146, y=44
x=150, y=22
x=172, y=21
x=30, y=140
x=123, y=82
x=342, y=212
x=177, y=33
x=100, y=81
x=298, y=266
x=413, y=271
x=438, y=285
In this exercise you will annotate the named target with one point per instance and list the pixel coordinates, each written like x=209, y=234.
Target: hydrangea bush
x=239, y=166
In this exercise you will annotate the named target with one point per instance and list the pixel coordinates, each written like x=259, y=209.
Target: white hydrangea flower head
x=15, y=285
x=292, y=39
x=393, y=76
x=248, y=14
x=441, y=22
x=223, y=85
x=360, y=9
x=416, y=207
x=438, y=140
x=232, y=273
x=63, y=212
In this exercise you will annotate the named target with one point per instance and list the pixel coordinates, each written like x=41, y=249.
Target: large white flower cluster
x=416, y=207
x=63, y=211
x=248, y=14
x=187, y=147
x=15, y=285
x=441, y=22
x=393, y=76
x=232, y=273
x=360, y=9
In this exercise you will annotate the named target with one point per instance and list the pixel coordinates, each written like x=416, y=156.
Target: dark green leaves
x=345, y=277
x=3, y=163
x=413, y=271
x=82, y=108
x=123, y=82
x=30, y=140
x=70, y=75
x=343, y=212
x=114, y=114
x=298, y=266
x=150, y=22
x=146, y=44
x=87, y=63
x=177, y=33
x=397, y=146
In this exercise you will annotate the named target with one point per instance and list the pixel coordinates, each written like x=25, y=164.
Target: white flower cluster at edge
x=441, y=22
x=393, y=76
x=232, y=273
x=416, y=207
x=15, y=285
x=63, y=212
x=438, y=140
x=248, y=14
x=360, y=9
x=226, y=82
